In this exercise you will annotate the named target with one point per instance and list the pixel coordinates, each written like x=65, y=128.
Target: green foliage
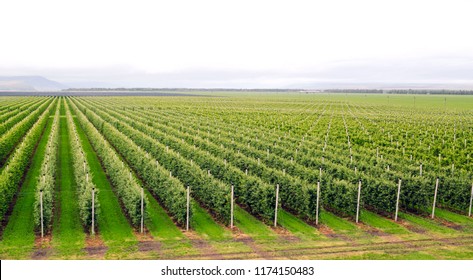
x=83, y=176
x=214, y=197
x=127, y=188
x=15, y=132
x=8, y=120
x=12, y=173
x=169, y=190
x=47, y=178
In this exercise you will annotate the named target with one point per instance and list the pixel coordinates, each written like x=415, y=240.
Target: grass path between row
x=68, y=236
x=113, y=226
x=163, y=229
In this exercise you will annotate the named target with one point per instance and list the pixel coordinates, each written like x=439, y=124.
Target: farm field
x=246, y=175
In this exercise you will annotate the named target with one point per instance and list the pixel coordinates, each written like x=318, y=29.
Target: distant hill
x=29, y=83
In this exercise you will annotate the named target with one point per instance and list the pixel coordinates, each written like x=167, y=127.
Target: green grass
x=219, y=237
x=112, y=224
x=398, y=256
x=251, y=226
x=426, y=224
x=205, y=226
x=337, y=224
x=462, y=220
x=163, y=229
x=382, y=223
x=298, y=227
x=464, y=252
x=68, y=236
x=158, y=222
x=19, y=235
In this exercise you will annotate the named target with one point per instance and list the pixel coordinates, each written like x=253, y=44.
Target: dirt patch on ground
x=285, y=234
x=205, y=249
x=371, y=230
x=446, y=223
x=325, y=230
x=450, y=224
x=412, y=228
x=42, y=248
x=41, y=254
x=148, y=246
x=146, y=243
x=94, y=247
x=328, y=232
x=390, y=238
x=376, y=232
x=250, y=242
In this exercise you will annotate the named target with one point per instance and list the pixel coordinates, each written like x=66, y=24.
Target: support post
x=435, y=197
x=420, y=169
x=231, y=208
x=317, y=206
x=276, y=207
x=358, y=204
x=93, y=211
x=41, y=210
x=188, y=203
x=397, y=201
x=471, y=200
x=142, y=209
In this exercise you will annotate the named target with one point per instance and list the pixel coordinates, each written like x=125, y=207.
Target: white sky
x=237, y=43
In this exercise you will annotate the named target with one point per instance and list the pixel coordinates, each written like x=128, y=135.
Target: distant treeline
x=374, y=91
x=186, y=89
x=403, y=91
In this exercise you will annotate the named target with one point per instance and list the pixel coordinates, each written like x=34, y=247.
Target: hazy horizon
x=239, y=44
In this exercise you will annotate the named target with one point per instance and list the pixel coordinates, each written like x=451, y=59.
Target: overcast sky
x=237, y=43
